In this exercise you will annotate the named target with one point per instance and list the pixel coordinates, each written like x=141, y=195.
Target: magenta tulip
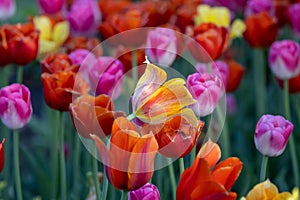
x=84, y=17
x=294, y=15
x=15, y=106
x=161, y=46
x=147, y=192
x=51, y=6
x=284, y=59
x=106, y=76
x=257, y=6
x=218, y=68
x=7, y=8
x=206, y=89
x=272, y=134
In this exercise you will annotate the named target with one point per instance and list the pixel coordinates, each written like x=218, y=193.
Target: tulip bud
x=257, y=6
x=51, y=6
x=106, y=76
x=271, y=135
x=161, y=46
x=2, y=155
x=219, y=68
x=7, y=8
x=148, y=191
x=15, y=106
x=294, y=16
x=284, y=59
x=206, y=89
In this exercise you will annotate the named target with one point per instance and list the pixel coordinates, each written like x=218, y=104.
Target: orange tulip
x=109, y=7
x=236, y=72
x=198, y=182
x=261, y=30
x=93, y=115
x=211, y=42
x=4, y=52
x=60, y=89
x=2, y=155
x=78, y=42
x=58, y=62
x=129, y=161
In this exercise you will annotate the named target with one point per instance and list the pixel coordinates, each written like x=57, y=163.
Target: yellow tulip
x=237, y=28
x=219, y=16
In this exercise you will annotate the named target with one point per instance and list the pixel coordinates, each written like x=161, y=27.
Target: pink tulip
x=218, y=68
x=284, y=59
x=294, y=15
x=206, y=89
x=257, y=6
x=106, y=76
x=84, y=17
x=15, y=106
x=51, y=6
x=271, y=135
x=7, y=8
x=161, y=46
x=147, y=192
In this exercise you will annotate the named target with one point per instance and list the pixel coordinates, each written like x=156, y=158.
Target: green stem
x=123, y=195
x=263, y=169
x=181, y=165
x=54, y=156
x=259, y=81
x=17, y=164
x=134, y=67
x=104, y=185
x=7, y=157
x=63, y=182
x=96, y=179
x=19, y=74
x=193, y=155
x=76, y=164
x=3, y=77
x=172, y=177
x=291, y=139
x=225, y=134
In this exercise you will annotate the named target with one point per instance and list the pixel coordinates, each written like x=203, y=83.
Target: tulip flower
x=148, y=191
x=50, y=6
x=106, y=76
x=52, y=33
x=129, y=147
x=2, y=155
x=261, y=30
x=294, y=84
x=93, y=115
x=15, y=106
x=84, y=17
x=161, y=47
x=284, y=59
x=57, y=63
x=218, y=68
x=78, y=42
x=7, y=9
x=257, y=6
x=268, y=191
x=199, y=182
x=184, y=15
x=61, y=88
x=155, y=100
x=294, y=16
x=272, y=134
x=211, y=42
x=236, y=72
x=207, y=90
x=282, y=11
x=108, y=7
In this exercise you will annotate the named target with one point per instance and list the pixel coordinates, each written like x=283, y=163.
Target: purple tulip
x=231, y=104
x=147, y=192
x=218, y=68
x=7, y=8
x=84, y=17
x=206, y=89
x=161, y=47
x=51, y=6
x=257, y=6
x=234, y=6
x=284, y=59
x=106, y=76
x=271, y=134
x=15, y=106
x=294, y=15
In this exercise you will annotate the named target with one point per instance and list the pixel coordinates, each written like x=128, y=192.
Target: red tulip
x=2, y=155
x=294, y=84
x=58, y=62
x=236, y=72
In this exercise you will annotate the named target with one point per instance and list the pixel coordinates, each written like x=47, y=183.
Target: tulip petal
x=43, y=24
x=265, y=190
x=211, y=152
x=283, y=196
x=61, y=32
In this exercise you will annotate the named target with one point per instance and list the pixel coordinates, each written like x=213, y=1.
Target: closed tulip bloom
x=284, y=59
x=106, y=76
x=15, y=106
x=294, y=16
x=257, y=6
x=236, y=73
x=7, y=9
x=206, y=89
x=272, y=134
x=51, y=6
x=2, y=155
x=294, y=84
x=147, y=192
x=84, y=17
x=57, y=63
x=129, y=147
x=161, y=47
x=219, y=68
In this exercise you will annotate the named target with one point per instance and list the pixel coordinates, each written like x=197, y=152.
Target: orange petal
x=211, y=152
x=265, y=191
